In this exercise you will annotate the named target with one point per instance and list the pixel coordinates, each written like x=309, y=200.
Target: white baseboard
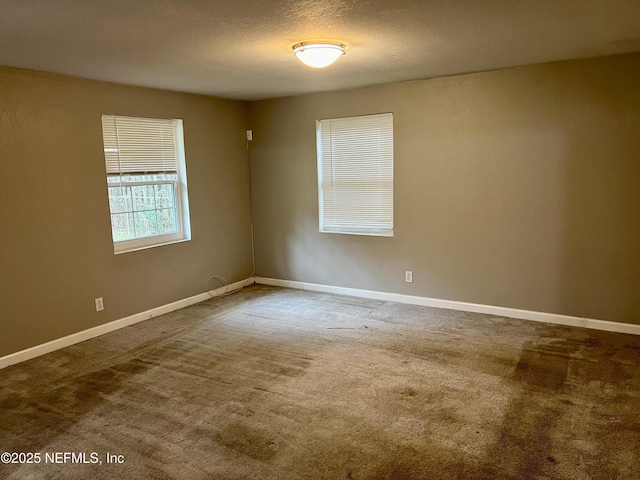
x=78, y=337
x=464, y=306
x=74, y=338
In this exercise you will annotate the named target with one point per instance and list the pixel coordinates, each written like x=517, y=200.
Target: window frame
x=362, y=230
x=180, y=194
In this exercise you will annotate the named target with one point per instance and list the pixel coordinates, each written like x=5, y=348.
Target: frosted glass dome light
x=318, y=55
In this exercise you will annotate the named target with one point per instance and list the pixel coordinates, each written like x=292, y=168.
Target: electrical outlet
x=99, y=304
x=408, y=276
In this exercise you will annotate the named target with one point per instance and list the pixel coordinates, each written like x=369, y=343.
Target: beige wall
x=517, y=188
x=56, y=253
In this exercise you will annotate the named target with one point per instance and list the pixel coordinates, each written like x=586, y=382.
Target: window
x=355, y=174
x=146, y=181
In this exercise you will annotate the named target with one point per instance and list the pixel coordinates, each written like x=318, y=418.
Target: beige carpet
x=283, y=384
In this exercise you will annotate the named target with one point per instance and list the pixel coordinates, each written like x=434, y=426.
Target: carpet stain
x=542, y=369
x=38, y=419
x=251, y=442
x=10, y=403
x=409, y=392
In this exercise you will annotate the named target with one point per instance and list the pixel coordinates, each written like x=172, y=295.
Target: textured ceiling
x=242, y=48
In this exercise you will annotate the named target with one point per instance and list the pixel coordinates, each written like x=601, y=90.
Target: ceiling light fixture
x=318, y=55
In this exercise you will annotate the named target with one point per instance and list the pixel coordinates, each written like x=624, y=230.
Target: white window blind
x=139, y=145
x=355, y=174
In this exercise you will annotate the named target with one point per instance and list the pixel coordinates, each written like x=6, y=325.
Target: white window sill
x=146, y=247
x=367, y=234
